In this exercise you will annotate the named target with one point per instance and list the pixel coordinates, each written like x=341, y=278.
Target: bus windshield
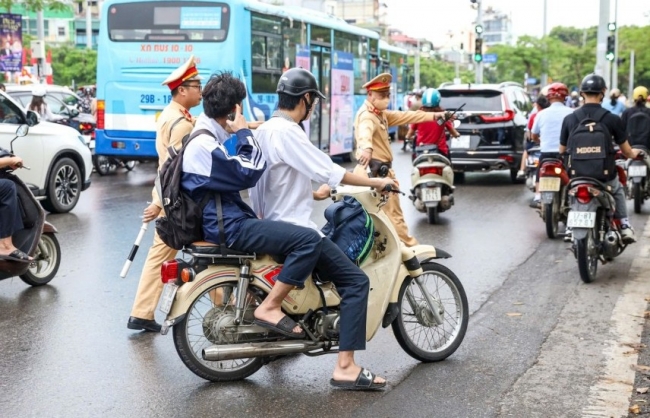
x=181, y=21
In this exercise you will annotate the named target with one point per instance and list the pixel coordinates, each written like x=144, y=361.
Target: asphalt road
x=67, y=351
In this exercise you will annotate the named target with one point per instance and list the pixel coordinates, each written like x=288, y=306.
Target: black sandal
x=18, y=256
x=285, y=327
x=365, y=381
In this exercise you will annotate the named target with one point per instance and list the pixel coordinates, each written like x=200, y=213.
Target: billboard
x=11, y=46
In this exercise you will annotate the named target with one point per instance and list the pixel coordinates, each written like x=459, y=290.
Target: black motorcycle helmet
x=593, y=84
x=298, y=81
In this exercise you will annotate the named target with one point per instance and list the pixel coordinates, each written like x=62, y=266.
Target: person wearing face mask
x=373, y=145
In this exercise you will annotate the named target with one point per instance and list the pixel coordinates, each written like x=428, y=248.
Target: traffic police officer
x=373, y=145
x=174, y=123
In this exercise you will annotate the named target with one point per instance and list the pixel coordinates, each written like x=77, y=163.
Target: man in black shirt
x=593, y=89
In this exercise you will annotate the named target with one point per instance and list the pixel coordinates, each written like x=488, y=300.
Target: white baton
x=134, y=250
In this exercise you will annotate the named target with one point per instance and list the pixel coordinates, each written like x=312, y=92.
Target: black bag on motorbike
x=638, y=128
x=183, y=220
x=590, y=150
x=351, y=228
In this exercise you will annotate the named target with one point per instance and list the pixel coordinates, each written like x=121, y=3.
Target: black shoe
x=143, y=324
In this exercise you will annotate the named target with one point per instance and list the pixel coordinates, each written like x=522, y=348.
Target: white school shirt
x=284, y=193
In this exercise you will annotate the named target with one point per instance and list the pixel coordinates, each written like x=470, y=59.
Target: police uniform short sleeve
x=366, y=131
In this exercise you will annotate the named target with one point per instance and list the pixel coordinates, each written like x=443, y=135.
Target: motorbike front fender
x=638, y=180
x=49, y=228
x=424, y=253
x=547, y=197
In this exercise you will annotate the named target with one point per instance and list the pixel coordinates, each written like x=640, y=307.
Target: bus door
x=319, y=123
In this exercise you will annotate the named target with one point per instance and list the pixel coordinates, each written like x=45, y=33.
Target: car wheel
x=63, y=186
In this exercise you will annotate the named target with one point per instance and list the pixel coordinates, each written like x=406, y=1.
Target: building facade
x=497, y=28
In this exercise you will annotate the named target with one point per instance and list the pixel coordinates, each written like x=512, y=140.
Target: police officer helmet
x=297, y=82
x=593, y=83
x=431, y=98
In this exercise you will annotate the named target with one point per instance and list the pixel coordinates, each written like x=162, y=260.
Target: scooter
x=104, y=164
x=210, y=298
x=37, y=238
x=432, y=181
x=553, y=184
x=637, y=173
x=532, y=162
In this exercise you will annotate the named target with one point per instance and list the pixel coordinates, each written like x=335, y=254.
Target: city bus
x=142, y=42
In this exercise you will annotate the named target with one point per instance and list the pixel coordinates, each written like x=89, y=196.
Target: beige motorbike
x=209, y=300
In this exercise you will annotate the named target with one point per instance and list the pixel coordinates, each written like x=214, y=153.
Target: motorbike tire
x=401, y=327
x=64, y=183
x=184, y=347
x=638, y=197
x=129, y=165
x=102, y=164
x=36, y=275
x=587, y=264
x=551, y=216
x=433, y=216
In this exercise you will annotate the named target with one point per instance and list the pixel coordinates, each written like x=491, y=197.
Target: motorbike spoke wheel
x=47, y=259
x=203, y=326
x=638, y=197
x=587, y=255
x=416, y=329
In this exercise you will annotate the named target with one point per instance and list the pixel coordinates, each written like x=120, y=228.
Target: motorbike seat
x=208, y=248
x=588, y=180
x=553, y=160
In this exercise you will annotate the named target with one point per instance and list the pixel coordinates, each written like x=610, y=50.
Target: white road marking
x=610, y=396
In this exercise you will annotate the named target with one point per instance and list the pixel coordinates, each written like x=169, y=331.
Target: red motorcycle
x=553, y=182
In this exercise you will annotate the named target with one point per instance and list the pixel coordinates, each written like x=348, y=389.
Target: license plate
x=431, y=194
x=549, y=184
x=581, y=219
x=167, y=298
x=460, y=142
x=637, y=171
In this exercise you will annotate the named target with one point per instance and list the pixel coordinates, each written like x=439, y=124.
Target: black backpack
x=590, y=149
x=638, y=128
x=183, y=220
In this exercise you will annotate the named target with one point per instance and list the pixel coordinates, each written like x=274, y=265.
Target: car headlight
x=83, y=140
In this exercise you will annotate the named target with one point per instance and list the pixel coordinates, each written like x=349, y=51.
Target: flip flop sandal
x=285, y=327
x=18, y=256
x=365, y=381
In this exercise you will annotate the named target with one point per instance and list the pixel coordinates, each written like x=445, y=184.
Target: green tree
x=70, y=63
x=35, y=5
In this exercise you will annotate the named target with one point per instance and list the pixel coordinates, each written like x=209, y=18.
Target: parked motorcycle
x=37, y=238
x=596, y=236
x=532, y=162
x=432, y=182
x=105, y=164
x=637, y=173
x=553, y=182
x=209, y=301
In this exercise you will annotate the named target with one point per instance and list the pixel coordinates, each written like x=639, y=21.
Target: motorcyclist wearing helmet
x=637, y=133
x=284, y=193
x=430, y=133
x=640, y=96
x=592, y=89
x=546, y=129
x=541, y=103
x=614, y=104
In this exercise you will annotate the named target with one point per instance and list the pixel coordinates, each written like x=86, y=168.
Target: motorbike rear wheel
x=551, y=217
x=587, y=257
x=638, y=197
x=102, y=164
x=46, y=261
x=202, y=327
x=415, y=328
x=433, y=215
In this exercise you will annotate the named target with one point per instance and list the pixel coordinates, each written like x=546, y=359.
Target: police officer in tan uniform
x=172, y=125
x=373, y=145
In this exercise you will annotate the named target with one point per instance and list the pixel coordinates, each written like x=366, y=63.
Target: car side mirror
x=73, y=112
x=22, y=130
x=32, y=118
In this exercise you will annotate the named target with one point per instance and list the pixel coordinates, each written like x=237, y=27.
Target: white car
x=58, y=157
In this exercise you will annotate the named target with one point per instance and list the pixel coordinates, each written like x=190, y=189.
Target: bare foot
x=350, y=374
x=273, y=316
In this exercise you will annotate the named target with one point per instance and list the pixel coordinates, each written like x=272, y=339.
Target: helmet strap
x=308, y=107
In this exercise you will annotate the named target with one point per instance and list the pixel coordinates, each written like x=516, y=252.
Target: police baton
x=134, y=250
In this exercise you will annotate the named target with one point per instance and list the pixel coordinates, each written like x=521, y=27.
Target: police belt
x=379, y=168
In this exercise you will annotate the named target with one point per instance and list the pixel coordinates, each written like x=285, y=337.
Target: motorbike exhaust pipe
x=251, y=350
x=611, y=238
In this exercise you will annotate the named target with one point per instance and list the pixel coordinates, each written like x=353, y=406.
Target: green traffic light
x=609, y=56
x=478, y=57
x=611, y=26
x=478, y=29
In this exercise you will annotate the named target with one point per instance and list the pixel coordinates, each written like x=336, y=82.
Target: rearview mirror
x=456, y=123
x=31, y=118
x=22, y=130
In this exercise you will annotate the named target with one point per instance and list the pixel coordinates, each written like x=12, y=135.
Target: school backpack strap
x=176, y=122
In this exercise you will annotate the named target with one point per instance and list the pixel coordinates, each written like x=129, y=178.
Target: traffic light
x=478, y=50
x=478, y=29
x=611, y=26
x=611, y=48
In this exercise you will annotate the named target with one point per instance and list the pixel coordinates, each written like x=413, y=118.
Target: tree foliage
x=70, y=63
x=36, y=5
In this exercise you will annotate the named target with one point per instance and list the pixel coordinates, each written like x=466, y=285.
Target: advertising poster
x=342, y=103
x=302, y=60
x=11, y=54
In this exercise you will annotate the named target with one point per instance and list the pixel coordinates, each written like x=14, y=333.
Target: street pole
x=615, y=62
x=479, y=22
x=601, y=45
x=417, y=67
x=544, y=78
x=630, y=85
x=89, y=26
x=40, y=33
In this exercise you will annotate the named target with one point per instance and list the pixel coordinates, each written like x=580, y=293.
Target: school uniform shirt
x=284, y=192
x=548, y=124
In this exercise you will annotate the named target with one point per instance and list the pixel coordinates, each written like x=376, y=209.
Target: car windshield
x=474, y=100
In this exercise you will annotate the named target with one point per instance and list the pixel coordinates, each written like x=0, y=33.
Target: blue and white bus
x=142, y=41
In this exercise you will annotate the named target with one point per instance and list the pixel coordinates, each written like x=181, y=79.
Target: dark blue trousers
x=300, y=245
x=353, y=286
x=10, y=218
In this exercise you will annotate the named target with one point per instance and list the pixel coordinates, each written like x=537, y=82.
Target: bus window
x=320, y=34
x=266, y=52
x=294, y=33
x=360, y=64
x=375, y=65
x=396, y=66
x=374, y=46
x=169, y=21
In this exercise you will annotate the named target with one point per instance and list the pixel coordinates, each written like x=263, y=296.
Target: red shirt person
x=430, y=133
